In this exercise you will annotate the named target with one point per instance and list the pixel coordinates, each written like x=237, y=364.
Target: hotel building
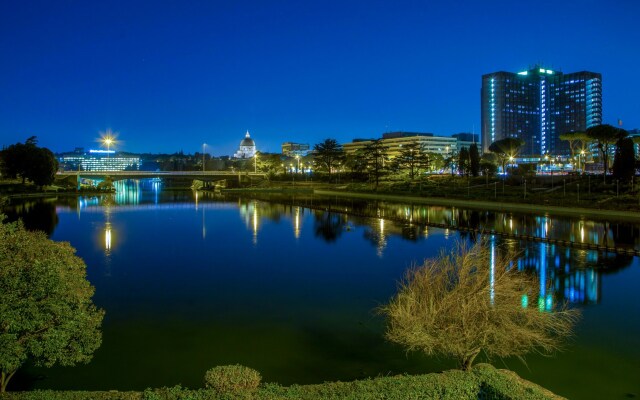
x=537, y=106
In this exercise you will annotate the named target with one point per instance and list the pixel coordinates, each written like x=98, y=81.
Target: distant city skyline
x=169, y=77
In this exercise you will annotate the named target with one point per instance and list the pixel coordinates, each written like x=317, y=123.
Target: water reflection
x=570, y=274
x=192, y=263
x=36, y=215
x=329, y=225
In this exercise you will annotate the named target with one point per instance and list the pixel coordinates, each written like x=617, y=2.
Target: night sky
x=172, y=75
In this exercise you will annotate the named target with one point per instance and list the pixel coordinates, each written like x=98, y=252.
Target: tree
x=43, y=168
x=463, y=162
x=506, y=149
x=46, y=312
x=624, y=160
x=436, y=161
x=450, y=161
x=474, y=160
x=462, y=303
x=489, y=164
x=374, y=155
x=577, y=142
x=28, y=161
x=328, y=154
x=604, y=136
x=411, y=158
x=270, y=163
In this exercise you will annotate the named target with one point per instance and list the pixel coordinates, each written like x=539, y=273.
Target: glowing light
x=255, y=225
x=540, y=304
x=101, y=151
x=524, y=301
x=107, y=238
x=296, y=230
x=523, y=73
x=492, y=272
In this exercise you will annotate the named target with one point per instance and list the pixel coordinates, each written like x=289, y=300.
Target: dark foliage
x=624, y=161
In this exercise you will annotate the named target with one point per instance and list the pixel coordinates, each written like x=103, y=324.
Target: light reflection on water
x=293, y=257
x=572, y=273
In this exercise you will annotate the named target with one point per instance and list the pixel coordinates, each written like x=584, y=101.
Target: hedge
x=485, y=382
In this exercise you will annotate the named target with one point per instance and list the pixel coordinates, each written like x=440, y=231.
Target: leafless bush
x=471, y=300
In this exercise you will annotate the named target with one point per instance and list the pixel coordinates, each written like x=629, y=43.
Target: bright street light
x=108, y=138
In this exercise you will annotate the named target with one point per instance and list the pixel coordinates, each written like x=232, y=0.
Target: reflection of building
x=295, y=149
x=538, y=106
x=247, y=147
x=98, y=160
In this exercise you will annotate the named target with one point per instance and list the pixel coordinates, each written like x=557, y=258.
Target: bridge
x=157, y=174
x=203, y=176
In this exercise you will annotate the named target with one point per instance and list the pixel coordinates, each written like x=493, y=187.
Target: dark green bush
x=232, y=379
x=483, y=383
x=507, y=385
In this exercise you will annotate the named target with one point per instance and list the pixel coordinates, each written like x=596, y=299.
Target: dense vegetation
x=46, y=312
x=27, y=161
x=484, y=382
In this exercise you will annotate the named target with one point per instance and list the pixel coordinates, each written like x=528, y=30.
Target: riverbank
x=484, y=381
x=487, y=205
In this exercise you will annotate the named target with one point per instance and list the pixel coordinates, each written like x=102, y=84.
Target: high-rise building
x=537, y=106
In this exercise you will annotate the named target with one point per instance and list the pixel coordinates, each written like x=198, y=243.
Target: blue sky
x=171, y=75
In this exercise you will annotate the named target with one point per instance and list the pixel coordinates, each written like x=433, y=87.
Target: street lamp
x=298, y=158
x=108, y=139
x=255, y=163
x=203, y=162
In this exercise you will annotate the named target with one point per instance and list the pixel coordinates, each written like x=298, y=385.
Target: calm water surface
x=290, y=286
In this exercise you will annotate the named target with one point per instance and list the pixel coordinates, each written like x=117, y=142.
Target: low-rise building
x=98, y=160
x=394, y=141
x=292, y=149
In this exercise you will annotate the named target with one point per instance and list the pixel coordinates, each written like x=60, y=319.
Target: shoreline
x=400, y=198
x=488, y=205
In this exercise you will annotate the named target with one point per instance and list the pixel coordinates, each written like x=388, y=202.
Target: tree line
x=27, y=161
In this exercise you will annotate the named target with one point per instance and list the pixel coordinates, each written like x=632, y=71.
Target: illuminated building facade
x=394, y=141
x=247, y=148
x=98, y=160
x=291, y=149
x=537, y=106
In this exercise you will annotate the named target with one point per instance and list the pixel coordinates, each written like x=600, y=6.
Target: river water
x=289, y=286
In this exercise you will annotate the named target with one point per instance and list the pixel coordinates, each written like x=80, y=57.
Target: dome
x=247, y=141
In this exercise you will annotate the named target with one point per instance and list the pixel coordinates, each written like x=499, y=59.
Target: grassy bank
x=484, y=382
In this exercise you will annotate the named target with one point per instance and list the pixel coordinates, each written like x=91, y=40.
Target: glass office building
x=98, y=160
x=537, y=106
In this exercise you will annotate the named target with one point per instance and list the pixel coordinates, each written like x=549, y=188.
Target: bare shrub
x=471, y=300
